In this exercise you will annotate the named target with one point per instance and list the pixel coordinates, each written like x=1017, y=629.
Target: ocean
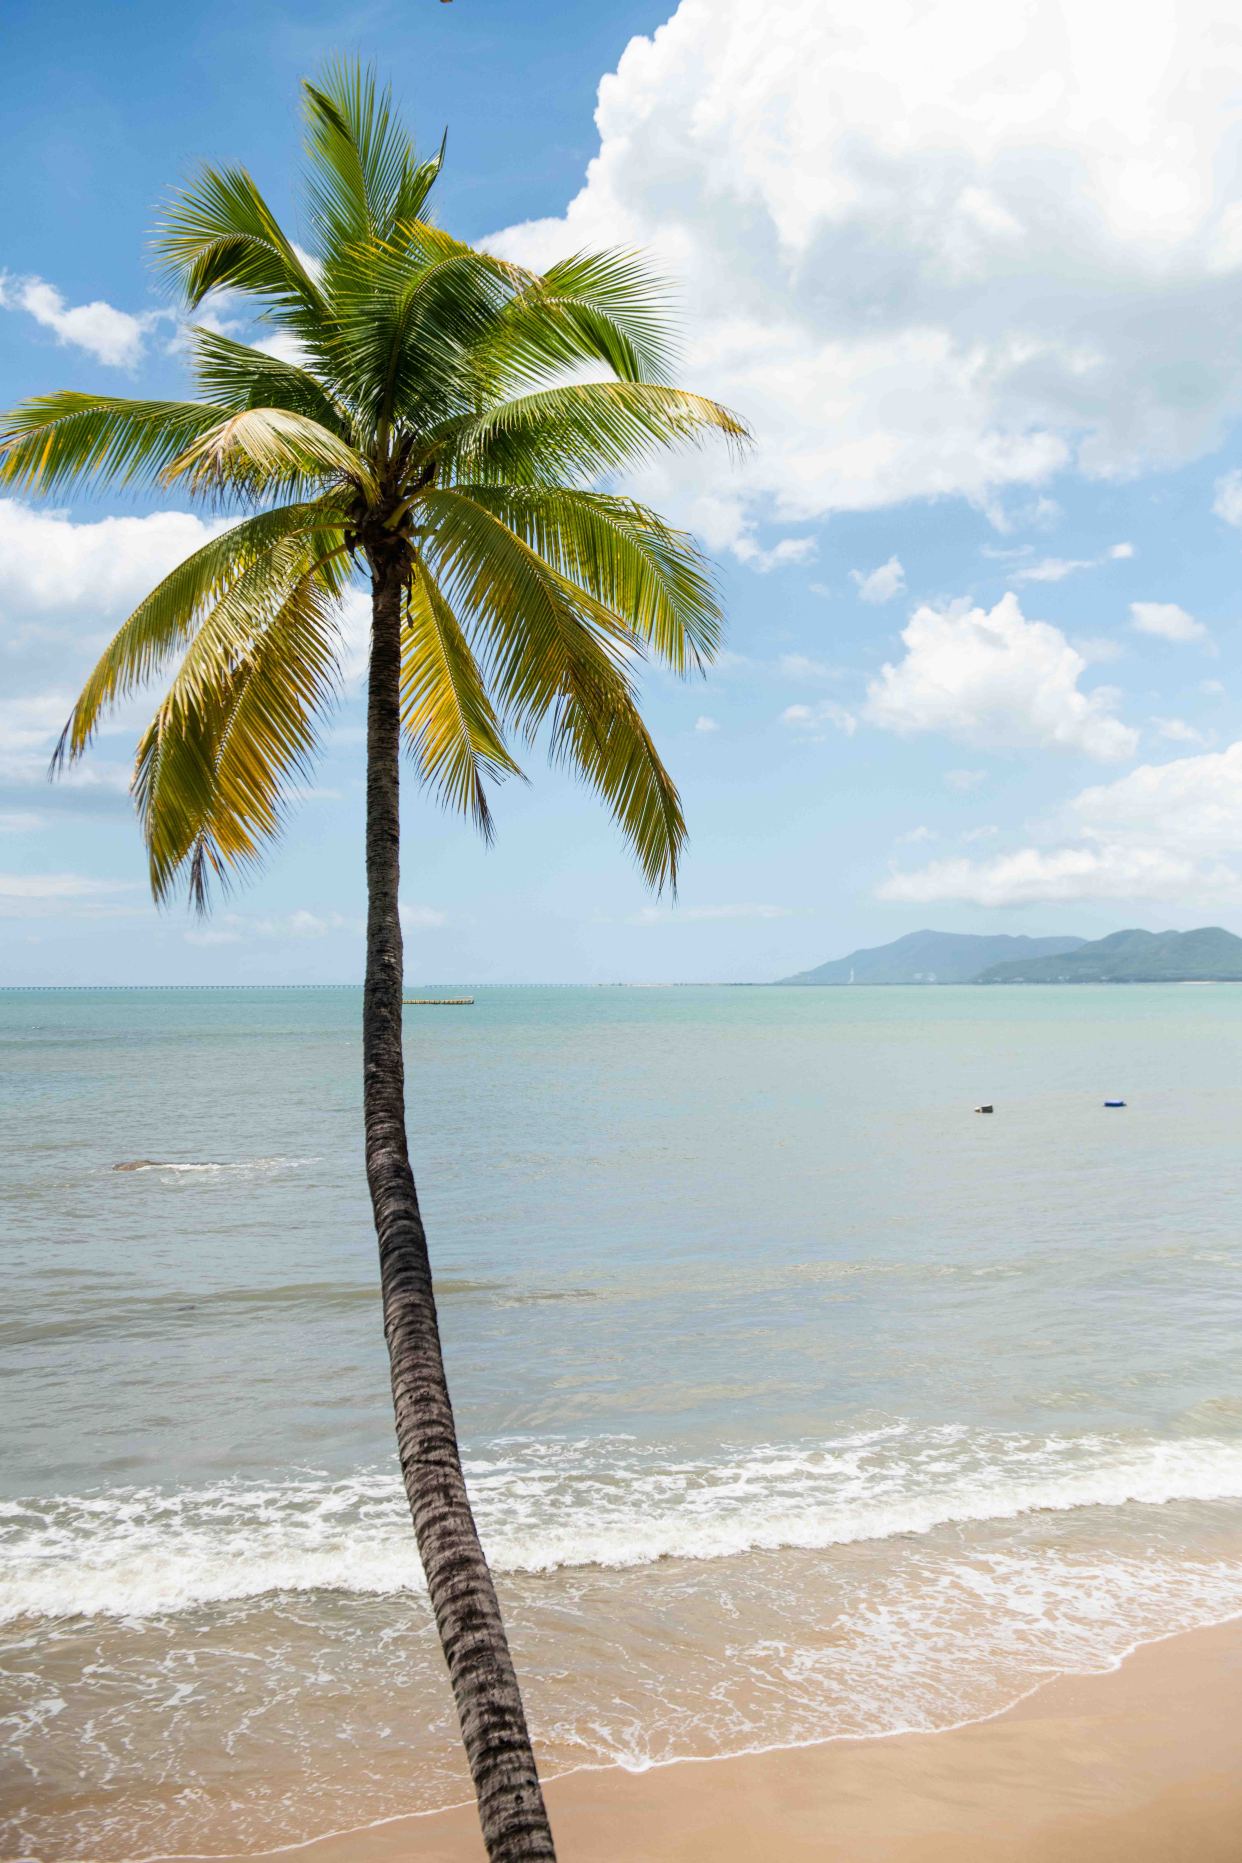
x=798, y=1401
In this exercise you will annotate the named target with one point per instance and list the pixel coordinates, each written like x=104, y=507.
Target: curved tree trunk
x=489, y=1706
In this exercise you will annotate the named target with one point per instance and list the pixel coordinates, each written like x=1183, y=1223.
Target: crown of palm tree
x=419, y=402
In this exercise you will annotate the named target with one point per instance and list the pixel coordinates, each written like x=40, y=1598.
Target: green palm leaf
x=57, y=440
x=577, y=433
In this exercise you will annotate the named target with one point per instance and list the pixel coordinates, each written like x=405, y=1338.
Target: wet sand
x=1142, y=1765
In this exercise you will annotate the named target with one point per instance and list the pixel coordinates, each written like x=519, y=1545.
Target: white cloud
x=241, y=927
x=945, y=249
x=1168, y=831
x=416, y=917
x=705, y=725
x=1227, y=503
x=788, y=550
x=996, y=679
x=813, y=717
x=965, y=780
x=802, y=666
x=670, y=915
x=1177, y=731
x=110, y=335
x=20, y=821
x=1033, y=877
x=1165, y=620
x=1057, y=568
x=35, y=895
x=1053, y=569
x=881, y=584
x=1096, y=649
x=52, y=565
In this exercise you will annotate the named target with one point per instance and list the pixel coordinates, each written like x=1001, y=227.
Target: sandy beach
x=1142, y=1765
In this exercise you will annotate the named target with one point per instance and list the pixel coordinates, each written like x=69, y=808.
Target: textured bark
x=489, y=1705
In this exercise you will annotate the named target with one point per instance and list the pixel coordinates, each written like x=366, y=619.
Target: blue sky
x=973, y=274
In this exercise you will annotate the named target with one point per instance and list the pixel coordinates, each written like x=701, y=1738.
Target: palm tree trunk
x=489, y=1705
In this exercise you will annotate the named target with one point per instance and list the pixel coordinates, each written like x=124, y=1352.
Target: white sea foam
x=603, y=1502
x=212, y=1167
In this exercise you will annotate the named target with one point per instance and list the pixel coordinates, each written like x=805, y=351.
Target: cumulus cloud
x=52, y=565
x=1032, y=876
x=705, y=725
x=994, y=679
x=1166, y=621
x=945, y=249
x=881, y=584
x=1169, y=831
x=112, y=336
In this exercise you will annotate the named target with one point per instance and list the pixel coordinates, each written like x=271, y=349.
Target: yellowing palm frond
x=453, y=733
x=262, y=449
x=237, y=561
x=211, y=779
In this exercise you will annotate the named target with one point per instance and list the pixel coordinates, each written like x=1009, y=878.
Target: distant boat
x=983, y=1109
x=1114, y=1102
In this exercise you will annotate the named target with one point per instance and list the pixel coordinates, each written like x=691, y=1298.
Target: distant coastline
x=1207, y=955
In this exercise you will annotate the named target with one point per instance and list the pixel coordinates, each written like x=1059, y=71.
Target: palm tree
x=436, y=421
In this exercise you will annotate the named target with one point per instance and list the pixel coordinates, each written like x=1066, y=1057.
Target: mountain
x=1208, y=955
x=934, y=957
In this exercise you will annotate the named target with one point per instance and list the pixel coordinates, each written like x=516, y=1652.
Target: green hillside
x=932, y=957
x=1209, y=955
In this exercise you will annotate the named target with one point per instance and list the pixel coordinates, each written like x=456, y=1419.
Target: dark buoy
x=983, y=1109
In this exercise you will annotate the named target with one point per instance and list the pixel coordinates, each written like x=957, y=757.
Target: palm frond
x=598, y=733
x=238, y=376
x=220, y=234
x=364, y=179
x=536, y=628
x=554, y=655
x=237, y=562
x=451, y=728
x=410, y=316
x=211, y=779
x=576, y=433
x=597, y=307
x=261, y=450
x=654, y=579
x=57, y=440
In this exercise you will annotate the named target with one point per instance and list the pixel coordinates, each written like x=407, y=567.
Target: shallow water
x=798, y=1400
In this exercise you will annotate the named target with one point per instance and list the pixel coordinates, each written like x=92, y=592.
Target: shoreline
x=1140, y=1763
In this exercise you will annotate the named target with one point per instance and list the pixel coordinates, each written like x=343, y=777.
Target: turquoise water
x=784, y=1379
